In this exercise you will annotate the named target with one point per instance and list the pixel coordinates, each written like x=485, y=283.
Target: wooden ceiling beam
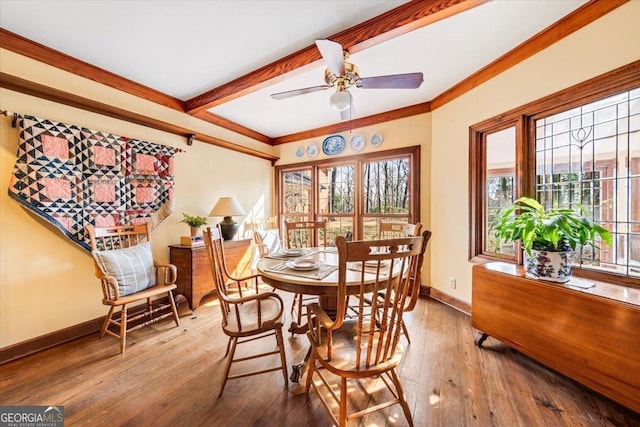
x=232, y=126
x=398, y=21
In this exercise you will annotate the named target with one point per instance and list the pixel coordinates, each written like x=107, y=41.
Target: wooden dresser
x=194, y=273
x=591, y=335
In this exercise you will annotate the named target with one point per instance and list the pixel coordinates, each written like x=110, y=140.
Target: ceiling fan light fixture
x=340, y=100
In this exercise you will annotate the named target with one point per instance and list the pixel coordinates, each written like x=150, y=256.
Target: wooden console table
x=591, y=335
x=194, y=273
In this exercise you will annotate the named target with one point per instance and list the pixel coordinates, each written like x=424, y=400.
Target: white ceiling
x=184, y=48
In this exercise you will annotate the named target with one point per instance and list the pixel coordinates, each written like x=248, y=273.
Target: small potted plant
x=548, y=236
x=195, y=222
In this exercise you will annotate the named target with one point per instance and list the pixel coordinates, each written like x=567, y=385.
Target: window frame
x=412, y=152
x=523, y=117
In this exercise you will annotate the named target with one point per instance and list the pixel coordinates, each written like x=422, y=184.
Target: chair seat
x=342, y=351
x=147, y=293
x=272, y=317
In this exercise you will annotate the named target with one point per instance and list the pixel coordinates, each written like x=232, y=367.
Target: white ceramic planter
x=546, y=265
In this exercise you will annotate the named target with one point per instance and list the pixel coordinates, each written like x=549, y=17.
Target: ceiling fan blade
x=332, y=54
x=296, y=92
x=395, y=81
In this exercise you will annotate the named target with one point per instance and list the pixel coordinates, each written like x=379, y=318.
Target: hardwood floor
x=171, y=377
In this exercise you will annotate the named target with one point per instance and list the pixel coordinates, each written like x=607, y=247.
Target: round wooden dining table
x=275, y=272
x=325, y=288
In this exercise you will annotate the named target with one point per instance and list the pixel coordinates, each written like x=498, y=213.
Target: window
x=352, y=193
x=500, y=173
x=580, y=147
x=590, y=156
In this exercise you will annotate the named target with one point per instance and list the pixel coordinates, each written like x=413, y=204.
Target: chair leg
x=343, y=402
x=293, y=304
x=297, y=298
x=300, y=303
x=406, y=331
x=107, y=319
x=226, y=353
x=311, y=366
x=123, y=327
x=401, y=397
x=283, y=358
x=173, y=308
x=233, y=341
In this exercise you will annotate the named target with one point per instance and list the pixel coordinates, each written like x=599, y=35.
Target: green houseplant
x=195, y=222
x=547, y=236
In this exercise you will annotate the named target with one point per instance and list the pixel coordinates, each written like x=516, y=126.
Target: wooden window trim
x=477, y=178
x=413, y=152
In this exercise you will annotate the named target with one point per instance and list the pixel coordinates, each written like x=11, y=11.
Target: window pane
x=296, y=192
x=386, y=186
x=500, y=182
x=336, y=188
x=338, y=226
x=594, y=163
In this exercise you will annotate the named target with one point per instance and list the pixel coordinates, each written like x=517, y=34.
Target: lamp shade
x=340, y=100
x=227, y=207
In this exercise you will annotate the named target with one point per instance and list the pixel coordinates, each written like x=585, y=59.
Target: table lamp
x=227, y=207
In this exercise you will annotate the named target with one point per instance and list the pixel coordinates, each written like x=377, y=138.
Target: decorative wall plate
x=333, y=144
x=300, y=152
x=357, y=142
x=376, y=139
x=312, y=150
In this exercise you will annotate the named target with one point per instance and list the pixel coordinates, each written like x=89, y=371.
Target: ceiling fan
x=341, y=75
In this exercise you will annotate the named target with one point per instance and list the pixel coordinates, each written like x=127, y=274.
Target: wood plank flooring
x=171, y=376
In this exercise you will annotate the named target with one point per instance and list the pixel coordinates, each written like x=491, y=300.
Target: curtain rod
x=15, y=116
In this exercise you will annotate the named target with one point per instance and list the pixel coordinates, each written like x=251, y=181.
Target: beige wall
x=47, y=282
x=608, y=43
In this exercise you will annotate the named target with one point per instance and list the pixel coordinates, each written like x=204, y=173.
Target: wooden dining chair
x=391, y=229
x=267, y=241
x=247, y=318
x=388, y=230
x=128, y=274
x=364, y=346
x=300, y=235
x=306, y=234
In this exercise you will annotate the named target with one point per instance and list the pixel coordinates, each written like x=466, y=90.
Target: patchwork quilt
x=73, y=176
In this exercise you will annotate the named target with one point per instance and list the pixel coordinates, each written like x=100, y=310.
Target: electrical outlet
x=452, y=282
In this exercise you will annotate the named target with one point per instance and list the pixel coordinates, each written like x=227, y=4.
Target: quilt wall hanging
x=73, y=176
